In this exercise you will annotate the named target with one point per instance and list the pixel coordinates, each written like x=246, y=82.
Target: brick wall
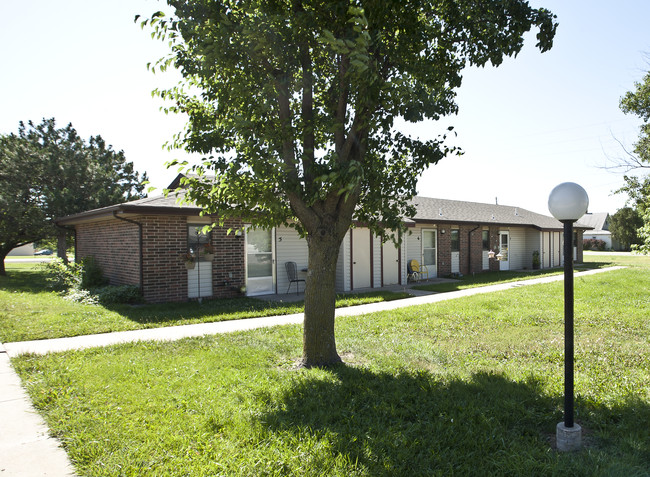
x=494, y=245
x=444, y=251
x=228, y=273
x=164, y=240
x=165, y=275
x=114, y=244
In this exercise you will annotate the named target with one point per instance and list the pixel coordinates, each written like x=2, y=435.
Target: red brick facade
x=115, y=245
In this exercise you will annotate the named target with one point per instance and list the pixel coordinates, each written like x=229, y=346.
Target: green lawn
x=28, y=311
x=467, y=387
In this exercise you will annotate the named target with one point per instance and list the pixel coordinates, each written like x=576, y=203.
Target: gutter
x=469, y=249
x=140, y=244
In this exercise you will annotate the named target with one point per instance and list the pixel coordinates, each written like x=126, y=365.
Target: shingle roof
x=431, y=210
x=149, y=205
x=428, y=210
x=597, y=220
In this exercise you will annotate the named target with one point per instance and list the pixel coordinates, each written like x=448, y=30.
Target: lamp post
x=567, y=203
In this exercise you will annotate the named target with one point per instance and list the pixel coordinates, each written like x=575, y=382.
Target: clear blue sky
x=535, y=121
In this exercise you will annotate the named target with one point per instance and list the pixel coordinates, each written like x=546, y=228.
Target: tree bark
x=319, y=343
x=61, y=245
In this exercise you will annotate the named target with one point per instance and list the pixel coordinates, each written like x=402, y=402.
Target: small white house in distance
x=25, y=250
x=599, y=221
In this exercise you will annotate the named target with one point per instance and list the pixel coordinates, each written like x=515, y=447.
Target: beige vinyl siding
x=414, y=245
x=533, y=243
x=517, y=248
x=289, y=247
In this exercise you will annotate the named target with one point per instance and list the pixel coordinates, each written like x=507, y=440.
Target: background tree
x=22, y=217
x=296, y=103
x=48, y=173
x=624, y=226
x=637, y=187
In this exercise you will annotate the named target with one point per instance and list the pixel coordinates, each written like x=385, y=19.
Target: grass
x=484, y=279
x=28, y=311
x=464, y=387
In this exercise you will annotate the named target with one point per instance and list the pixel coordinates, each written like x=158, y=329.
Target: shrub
x=111, y=295
x=594, y=244
x=82, y=296
x=91, y=274
x=62, y=277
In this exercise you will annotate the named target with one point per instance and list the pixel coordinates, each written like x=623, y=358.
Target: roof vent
x=440, y=211
x=516, y=212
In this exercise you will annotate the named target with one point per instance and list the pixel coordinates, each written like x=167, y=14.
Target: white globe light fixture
x=567, y=203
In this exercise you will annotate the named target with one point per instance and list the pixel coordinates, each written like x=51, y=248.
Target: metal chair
x=292, y=274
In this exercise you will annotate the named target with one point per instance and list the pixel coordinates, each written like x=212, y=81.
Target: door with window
x=504, y=245
x=430, y=251
x=485, y=239
x=455, y=251
x=260, y=259
x=199, y=273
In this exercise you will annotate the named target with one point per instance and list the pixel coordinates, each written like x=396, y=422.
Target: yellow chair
x=420, y=271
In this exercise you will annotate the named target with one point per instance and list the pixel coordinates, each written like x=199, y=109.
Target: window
x=198, y=242
x=486, y=240
x=455, y=240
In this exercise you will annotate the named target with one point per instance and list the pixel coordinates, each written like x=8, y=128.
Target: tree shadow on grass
x=21, y=280
x=414, y=424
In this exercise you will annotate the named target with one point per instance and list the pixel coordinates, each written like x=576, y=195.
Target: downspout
x=469, y=249
x=140, y=244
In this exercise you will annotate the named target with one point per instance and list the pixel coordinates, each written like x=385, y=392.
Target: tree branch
x=308, y=142
x=342, y=104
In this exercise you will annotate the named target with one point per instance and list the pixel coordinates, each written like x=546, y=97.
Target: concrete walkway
x=25, y=448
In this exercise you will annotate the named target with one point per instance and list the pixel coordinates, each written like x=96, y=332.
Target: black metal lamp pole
x=568, y=323
x=567, y=203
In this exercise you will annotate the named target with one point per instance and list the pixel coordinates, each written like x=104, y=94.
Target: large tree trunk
x=61, y=244
x=3, y=255
x=319, y=343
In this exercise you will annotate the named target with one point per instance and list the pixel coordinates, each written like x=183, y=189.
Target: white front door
x=360, y=258
x=429, y=251
x=389, y=264
x=260, y=257
x=504, y=249
x=455, y=251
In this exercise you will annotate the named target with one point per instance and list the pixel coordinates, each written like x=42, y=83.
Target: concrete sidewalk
x=25, y=448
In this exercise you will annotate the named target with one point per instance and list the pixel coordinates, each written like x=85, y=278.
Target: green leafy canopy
x=293, y=103
x=48, y=172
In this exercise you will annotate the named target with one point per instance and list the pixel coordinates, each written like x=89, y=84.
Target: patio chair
x=412, y=275
x=292, y=274
x=421, y=270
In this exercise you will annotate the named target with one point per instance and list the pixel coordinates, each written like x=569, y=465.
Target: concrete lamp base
x=569, y=439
